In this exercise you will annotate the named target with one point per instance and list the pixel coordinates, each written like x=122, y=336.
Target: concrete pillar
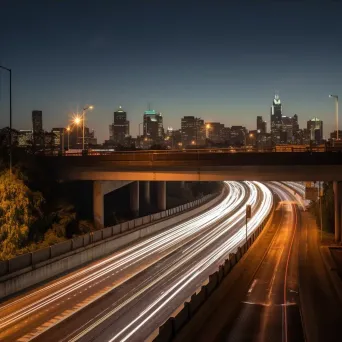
x=146, y=192
x=134, y=198
x=161, y=196
x=337, y=206
x=98, y=204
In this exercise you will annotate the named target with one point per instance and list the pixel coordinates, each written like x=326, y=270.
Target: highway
x=129, y=294
x=270, y=310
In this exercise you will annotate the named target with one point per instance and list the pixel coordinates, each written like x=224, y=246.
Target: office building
x=153, y=126
x=193, y=131
x=225, y=135
x=119, y=130
x=37, y=127
x=25, y=138
x=315, y=127
x=57, y=138
x=213, y=131
x=261, y=125
x=238, y=135
x=276, y=119
x=333, y=135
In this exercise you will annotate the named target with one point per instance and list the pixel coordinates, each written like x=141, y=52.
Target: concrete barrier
x=86, y=239
x=166, y=331
x=131, y=224
x=41, y=255
x=20, y=262
x=181, y=318
x=226, y=267
x=146, y=219
x=116, y=229
x=4, y=269
x=77, y=242
x=107, y=232
x=197, y=300
x=97, y=235
x=60, y=248
x=63, y=258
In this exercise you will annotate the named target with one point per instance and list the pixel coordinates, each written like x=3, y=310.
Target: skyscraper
x=261, y=125
x=315, y=127
x=276, y=119
x=120, y=128
x=37, y=127
x=37, y=121
x=193, y=131
x=153, y=126
x=213, y=131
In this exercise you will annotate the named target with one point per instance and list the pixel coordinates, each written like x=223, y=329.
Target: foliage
x=19, y=209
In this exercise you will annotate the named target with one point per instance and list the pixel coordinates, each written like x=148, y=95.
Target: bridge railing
x=244, y=149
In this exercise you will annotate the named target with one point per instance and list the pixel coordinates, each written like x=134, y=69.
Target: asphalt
x=141, y=286
x=279, y=291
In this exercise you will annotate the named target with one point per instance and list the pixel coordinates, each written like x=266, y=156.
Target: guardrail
x=245, y=149
x=31, y=259
x=169, y=330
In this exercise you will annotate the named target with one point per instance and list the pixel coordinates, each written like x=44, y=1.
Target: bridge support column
x=146, y=192
x=337, y=205
x=134, y=198
x=98, y=204
x=161, y=195
x=182, y=184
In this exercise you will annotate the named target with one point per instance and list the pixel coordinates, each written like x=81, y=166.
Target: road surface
x=129, y=294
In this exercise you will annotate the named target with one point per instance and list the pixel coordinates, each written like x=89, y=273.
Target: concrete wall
x=173, y=325
x=29, y=269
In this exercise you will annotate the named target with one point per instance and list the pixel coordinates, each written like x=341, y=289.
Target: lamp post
x=10, y=109
x=336, y=102
x=83, y=119
x=68, y=130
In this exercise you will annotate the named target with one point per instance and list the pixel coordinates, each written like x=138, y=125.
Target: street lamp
x=83, y=119
x=68, y=130
x=336, y=101
x=10, y=109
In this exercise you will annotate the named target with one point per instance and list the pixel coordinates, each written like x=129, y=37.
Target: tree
x=19, y=209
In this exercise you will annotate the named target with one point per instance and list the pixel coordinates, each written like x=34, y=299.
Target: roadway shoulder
x=222, y=306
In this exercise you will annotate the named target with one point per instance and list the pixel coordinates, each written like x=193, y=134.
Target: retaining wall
x=29, y=269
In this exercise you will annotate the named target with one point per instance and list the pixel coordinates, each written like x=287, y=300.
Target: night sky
x=220, y=61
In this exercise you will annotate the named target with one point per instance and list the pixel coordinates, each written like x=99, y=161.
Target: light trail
x=120, y=261
x=196, y=235
x=226, y=247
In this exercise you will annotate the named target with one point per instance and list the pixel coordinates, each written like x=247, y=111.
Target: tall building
x=261, y=125
x=238, y=135
x=37, y=127
x=153, y=126
x=213, y=131
x=315, y=127
x=37, y=121
x=276, y=119
x=119, y=130
x=193, y=131
x=25, y=138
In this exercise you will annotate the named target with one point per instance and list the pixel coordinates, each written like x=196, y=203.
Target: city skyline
x=225, y=70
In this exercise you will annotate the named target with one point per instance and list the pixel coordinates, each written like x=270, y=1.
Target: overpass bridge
x=196, y=165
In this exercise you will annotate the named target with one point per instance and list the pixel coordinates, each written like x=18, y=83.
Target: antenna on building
x=149, y=105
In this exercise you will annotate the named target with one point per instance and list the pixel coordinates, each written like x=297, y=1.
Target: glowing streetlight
x=193, y=142
x=77, y=120
x=83, y=120
x=68, y=130
x=336, y=102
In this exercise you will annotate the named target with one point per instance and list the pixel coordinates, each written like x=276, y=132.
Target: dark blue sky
x=212, y=59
